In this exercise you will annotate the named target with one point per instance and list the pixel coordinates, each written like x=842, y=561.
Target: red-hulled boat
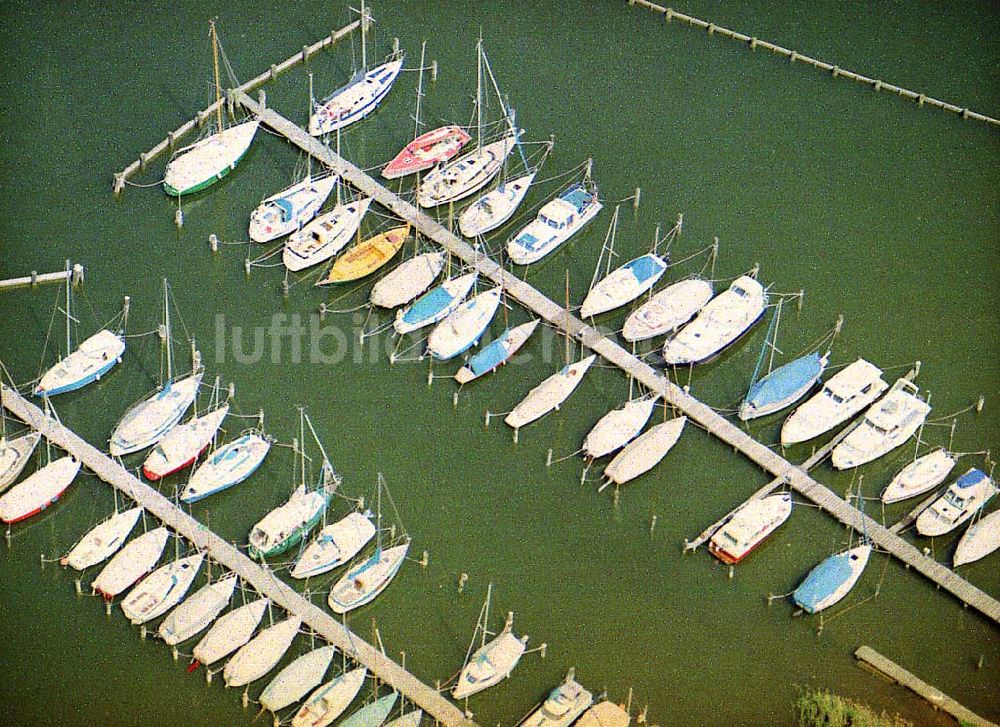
x=437, y=145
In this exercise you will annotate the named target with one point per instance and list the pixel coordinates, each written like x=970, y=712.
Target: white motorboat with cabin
x=887, y=425
x=749, y=526
x=963, y=499
x=557, y=221
x=562, y=706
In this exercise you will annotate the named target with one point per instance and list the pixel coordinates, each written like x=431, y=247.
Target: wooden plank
x=935, y=696
x=229, y=556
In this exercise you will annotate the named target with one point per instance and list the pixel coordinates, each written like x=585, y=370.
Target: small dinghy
x=718, y=325
x=330, y=700
x=550, y=394
x=227, y=466
x=325, y=236
x=435, y=305
x=356, y=99
x=604, y=714
x=749, y=526
x=335, y=545
x=490, y=664
x=14, y=455
x=557, y=221
x=230, y=632
x=563, y=705
x=919, y=476
x=498, y=352
x=832, y=579
x=407, y=281
x=981, y=539
x=624, y=285
x=783, y=386
x=668, y=310
x=89, y=362
x=366, y=257
x=102, y=541
x=161, y=590
x=261, y=654
x=181, y=446
x=361, y=584
x=131, y=563
x=846, y=393
x=297, y=679
x=372, y=715
x=887, y=425
x=430, y=148
x=466, y=175
x=961, y=501
x=38, y=490
x=495, y=207
x=461, y=330
x=207, y=161
x=645, y=451
x=198, y=611
x=619, y=427
x=147, y=421
x=290, y=209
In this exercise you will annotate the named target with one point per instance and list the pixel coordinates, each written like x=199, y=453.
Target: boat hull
x=188, y=176
x=38, y=491
x=361, y=585
x=430, y=148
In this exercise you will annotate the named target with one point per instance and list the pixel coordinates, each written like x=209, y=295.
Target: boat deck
x=229, y=556
x=655, y=381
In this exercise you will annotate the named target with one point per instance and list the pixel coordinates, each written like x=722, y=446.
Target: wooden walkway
x=654, y=380
x=935, y=696
x=261, y=579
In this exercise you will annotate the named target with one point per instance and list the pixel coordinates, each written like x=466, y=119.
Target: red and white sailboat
x=433, y=147
x=39, y=490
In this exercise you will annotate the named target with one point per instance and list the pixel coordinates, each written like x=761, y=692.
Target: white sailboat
x=644, y=452
x=261, y=654
x=407, y=281
x=335, y=545
x=722, y=321
x=102, y=541
x=89, y=361
x=38, y=490
x=330, y=700
x=619, y=427
x=181, y=446
x=845, y=394
x=435, y=305
x=495, y=207
x=210, y=159
x=161, y=590
x=497, y=352
x=919, y=476
x=131, y=563
x=462, y=328
x=668, y=309
x=148, y=420
x=887, y=425
x=749, y=526
x=832, y=579
x=325, y=236
x=227, y=466
x=198, y=611
x=963, y=499
x=979, y=540
x=291, y=208
x=230, y=632
x=14, y=453
x=492, y=662
x=550, y=394
x=297, y=679
x=562, y=706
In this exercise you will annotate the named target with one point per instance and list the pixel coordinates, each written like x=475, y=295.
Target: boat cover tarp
x=822, y=581
x=645, y=267
x=785, y=381
x=429, y=305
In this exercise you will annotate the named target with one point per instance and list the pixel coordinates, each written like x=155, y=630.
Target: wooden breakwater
x=794, y=56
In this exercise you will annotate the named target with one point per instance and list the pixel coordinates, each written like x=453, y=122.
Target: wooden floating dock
x=227, y=555
x=202, y=116
x=75, y=274
x=793, y=56
x=796, y=478
x=936, y=697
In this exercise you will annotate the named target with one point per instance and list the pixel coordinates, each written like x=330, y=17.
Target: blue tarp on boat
x=490, y=357
x=785, y=382
x=970, y=478
x=822, y=581
x=577, y=196
x=428, y=305
x=645, y=267
x=285, y=207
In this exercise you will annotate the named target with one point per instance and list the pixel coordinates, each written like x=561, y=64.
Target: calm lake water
x=876, y=208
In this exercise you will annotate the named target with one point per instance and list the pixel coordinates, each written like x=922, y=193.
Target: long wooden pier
x=652, y=379
x=935, y=696
x=835, y=71
x=227, y=555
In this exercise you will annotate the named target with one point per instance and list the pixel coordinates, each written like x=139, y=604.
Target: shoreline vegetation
x=820, y=708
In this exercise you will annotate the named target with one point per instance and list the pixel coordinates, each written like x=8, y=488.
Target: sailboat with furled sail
x=208, y=160
x=492, y=662
x=15, y=451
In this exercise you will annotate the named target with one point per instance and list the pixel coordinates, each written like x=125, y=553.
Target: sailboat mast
x=420, y=90
x=166, y=327
x=486, y=612
x=507, y=114
x=309, y=158
x=479, y=92
x=316, y=439
x=774, y=341
x=215, y=65
x=364, y=28
x=339, y=185
x=302, y=446
x=68, y=314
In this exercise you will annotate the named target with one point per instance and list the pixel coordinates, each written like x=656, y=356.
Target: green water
x=878, y=209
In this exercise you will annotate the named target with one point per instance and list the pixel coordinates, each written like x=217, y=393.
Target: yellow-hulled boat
x=366, y=257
